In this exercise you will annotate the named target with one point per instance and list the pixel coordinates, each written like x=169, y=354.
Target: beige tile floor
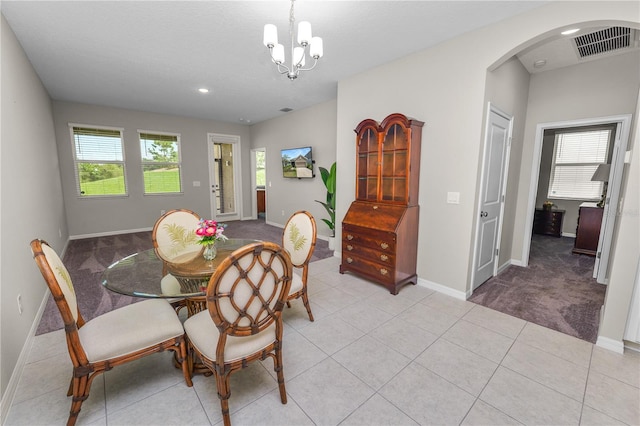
x=370, y=358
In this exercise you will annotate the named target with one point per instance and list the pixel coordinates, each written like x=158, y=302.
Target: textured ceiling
x=153, y=56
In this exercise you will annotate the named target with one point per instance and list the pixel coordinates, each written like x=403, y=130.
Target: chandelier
x=298, y=53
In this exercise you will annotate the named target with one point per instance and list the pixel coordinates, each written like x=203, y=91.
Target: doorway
x=258, y=183
x=622, y=125
x=224, y=173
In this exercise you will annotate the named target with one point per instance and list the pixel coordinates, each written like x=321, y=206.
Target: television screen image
x=297, y=163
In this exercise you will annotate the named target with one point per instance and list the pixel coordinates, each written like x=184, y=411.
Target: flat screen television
x=297, y=163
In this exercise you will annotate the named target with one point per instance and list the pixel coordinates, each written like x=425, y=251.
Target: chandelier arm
x=283, y=69
x=315, y=62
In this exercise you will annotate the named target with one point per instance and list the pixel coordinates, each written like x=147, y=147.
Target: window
x=576, y=157
x=99, y=161
x=160, y=163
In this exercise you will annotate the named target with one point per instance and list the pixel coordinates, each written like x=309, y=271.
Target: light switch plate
x=196, y=183
x=453, y=198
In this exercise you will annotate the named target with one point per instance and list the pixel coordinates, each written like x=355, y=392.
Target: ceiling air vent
x=287, y=109
x=603, y=41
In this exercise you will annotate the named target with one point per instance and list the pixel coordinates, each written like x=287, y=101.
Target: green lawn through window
x=155, y=182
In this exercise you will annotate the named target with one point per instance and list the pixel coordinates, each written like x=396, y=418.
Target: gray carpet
x=87, y=258
x=556, y=290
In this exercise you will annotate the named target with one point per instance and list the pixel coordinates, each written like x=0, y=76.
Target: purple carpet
x=87, y=258
x=556, y=290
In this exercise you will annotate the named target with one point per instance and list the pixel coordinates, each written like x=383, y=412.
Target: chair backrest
x=299, y=237
x=249, y=288
x=59, y=282
x=174, y=235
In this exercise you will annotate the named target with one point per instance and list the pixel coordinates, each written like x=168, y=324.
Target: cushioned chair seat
x=296, y=283
x=129, y=329
x=203, y=335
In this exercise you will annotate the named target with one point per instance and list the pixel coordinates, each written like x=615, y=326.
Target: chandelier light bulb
x=304, y=33
x=315, y=50
x=278, y=54
x=270, y=35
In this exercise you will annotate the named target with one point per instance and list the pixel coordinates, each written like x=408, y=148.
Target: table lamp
x=602, y=175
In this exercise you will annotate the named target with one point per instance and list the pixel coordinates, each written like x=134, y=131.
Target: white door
x=224, y=175
x=494, y=167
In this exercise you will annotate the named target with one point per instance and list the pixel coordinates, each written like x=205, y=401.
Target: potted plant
x=329, y=180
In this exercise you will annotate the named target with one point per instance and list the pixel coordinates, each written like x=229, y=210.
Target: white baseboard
x=279, y=225
x=10, y=393
x=504, y=266
x=568, y=234
x=610, y=344
x=107, y=234
x=516, y=262
x=443, y=289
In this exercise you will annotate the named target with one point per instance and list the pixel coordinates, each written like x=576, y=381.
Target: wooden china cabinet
x=380, y=229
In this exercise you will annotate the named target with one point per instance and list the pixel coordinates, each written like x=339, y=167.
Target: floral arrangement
x=210, y=231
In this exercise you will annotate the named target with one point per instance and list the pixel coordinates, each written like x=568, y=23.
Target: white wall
x=32, y=204
x=626, y=257
x=139, y=211
x=314, y=127
x=444, y=86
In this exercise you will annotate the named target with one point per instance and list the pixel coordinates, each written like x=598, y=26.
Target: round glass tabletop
x=140, y=274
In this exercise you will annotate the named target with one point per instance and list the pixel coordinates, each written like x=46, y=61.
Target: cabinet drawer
x=378, y=240
x=380, y=272
x=377, y=255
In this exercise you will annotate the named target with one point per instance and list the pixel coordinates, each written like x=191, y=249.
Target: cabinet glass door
x=367, y=185
x=394, y=164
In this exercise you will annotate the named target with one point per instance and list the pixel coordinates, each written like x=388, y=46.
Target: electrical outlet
x=282, y=212
x=162, y=212
x=59, y=232
x=20, y=304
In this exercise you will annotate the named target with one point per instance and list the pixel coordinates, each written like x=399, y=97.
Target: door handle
x=484, y=214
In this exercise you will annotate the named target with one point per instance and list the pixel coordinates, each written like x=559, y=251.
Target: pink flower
x=200, y=232
x=210, y=231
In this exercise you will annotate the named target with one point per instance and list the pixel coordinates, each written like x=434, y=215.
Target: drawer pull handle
x=349, y=260
x=349, y=237
x=349, y=247
x=375, y=207
x=383, y=271
x=384, y=257
x=384, y=246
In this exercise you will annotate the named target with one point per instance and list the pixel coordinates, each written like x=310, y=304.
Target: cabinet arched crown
x=388, y=160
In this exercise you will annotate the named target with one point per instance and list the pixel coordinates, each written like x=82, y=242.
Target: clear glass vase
x=209, y=252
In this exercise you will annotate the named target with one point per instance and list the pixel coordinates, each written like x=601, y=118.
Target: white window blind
x=99, y=161
x=160, y=163
x=575, y=160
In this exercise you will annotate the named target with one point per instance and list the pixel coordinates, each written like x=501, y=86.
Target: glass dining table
x=140, y=274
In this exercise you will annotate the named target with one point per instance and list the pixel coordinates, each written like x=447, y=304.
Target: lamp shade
x=278, y=54
x=304, y=33
x=316, y=47
x=602, y=173
x=270, y=35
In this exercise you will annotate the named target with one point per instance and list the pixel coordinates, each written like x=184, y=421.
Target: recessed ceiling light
x=571, y=31
x=540, y=63
x=203, y=90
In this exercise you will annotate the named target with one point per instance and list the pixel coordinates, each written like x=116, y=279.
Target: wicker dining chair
x=117, y=337
x=299, y=240
x=243, y=319
x=173, y=236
